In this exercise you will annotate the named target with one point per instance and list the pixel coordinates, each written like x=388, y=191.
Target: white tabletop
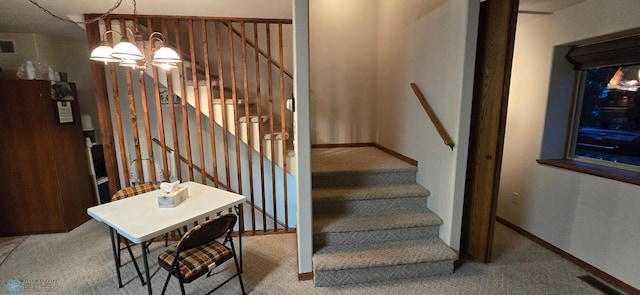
x=139, y=218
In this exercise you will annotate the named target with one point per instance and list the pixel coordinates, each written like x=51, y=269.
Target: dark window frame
x=603, y=53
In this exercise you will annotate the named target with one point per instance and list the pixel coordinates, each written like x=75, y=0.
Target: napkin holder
x=171, y=200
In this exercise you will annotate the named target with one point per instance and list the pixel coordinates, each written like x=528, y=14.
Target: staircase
x=371, y=222
x=255, y=122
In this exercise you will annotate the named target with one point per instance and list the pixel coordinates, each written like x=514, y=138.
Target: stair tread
x=382, y=254
x=368, y=193
x=369, y=159
x=350, y=223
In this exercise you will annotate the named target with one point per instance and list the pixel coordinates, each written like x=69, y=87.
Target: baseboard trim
x=618, y=284
x=459, y=262
x=306, y=276
x=398, y=155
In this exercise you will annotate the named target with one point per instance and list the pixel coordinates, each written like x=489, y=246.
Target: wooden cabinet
x=45, y=184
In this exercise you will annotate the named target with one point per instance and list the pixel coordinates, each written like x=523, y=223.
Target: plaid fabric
x=134, y=190
x=196, y=261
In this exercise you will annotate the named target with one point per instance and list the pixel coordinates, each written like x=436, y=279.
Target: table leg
x=146, y=267
x=240, y=217
x=114, y=247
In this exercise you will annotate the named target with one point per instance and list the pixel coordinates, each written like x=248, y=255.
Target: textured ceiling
x=20, y=16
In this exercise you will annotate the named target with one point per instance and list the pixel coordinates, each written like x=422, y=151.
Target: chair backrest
x=208, y=231
x=134, y=190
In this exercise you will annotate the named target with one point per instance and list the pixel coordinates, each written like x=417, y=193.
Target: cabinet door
x=30, y=198
x=71, y=164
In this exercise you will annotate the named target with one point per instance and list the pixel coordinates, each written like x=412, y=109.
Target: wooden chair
x=123, y=194
x=199, y=252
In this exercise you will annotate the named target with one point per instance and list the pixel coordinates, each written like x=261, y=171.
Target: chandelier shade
x=125, y=50
x=166, y=54
x=103, y=53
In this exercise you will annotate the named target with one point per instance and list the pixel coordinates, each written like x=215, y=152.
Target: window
x=605, y=128
x=606, y=124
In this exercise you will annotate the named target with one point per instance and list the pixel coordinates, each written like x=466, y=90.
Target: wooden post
x=104, y=111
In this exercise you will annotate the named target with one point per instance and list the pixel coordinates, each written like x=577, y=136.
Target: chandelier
x=129, y=55
x=126, y=53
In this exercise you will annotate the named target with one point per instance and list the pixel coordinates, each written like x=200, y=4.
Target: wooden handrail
x=432, y=115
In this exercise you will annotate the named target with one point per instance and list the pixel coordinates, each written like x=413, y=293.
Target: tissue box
x=171, y=200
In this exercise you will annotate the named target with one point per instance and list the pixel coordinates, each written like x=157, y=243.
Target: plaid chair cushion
x=134, y=190
x=196, y=261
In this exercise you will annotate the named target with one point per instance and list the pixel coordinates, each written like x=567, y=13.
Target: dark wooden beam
x=494, y=53
x=104, y=111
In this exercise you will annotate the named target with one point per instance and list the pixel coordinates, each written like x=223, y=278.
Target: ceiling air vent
x=7, y=47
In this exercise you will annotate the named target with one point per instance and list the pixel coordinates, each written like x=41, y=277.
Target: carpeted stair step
x=352, y=229
x=368, y=200
x=358, y=166
x=375, y=262
x=363, y=178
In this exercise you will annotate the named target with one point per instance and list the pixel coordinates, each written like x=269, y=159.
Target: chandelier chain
x=87, y=21
x=135, y=9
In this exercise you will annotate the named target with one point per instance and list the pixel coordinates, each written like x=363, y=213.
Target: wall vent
x=7, y=46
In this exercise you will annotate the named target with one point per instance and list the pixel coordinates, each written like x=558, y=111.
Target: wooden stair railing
x=432, y=115
x=139, y=107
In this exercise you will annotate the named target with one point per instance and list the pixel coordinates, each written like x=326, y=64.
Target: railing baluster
x=223, y=108
x=234, y=97
x=212, y=121
x=283, y=130
x=133, y=113
x=118, y=111
x=172, y=112
x=160, y=118
x=184, y=104
x=196, y=94
x=245, y=80
x=271, y=134
x=147, y=126
x=260, y=132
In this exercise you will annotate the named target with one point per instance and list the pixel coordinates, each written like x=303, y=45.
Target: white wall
x=343, y=41
x=592, y=218
x=302, y=136
x=431, y=43
x=69, y=56
x=25, y=48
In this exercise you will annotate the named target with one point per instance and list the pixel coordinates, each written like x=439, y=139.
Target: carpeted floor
x=7, y=244
x=80, y=262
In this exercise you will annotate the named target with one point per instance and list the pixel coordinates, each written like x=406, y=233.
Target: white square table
x=140, y=219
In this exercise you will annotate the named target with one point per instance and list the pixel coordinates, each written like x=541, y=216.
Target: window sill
x=617, y=174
